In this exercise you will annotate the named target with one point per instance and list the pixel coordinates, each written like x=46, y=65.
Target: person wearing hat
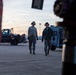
x=46, y=36
x=32, y=37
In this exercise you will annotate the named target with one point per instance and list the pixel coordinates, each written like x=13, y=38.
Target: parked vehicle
x=58, y=37
x=13, y=39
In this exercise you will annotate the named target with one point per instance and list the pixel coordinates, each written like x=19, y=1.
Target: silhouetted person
x=46, y=36
x=32, y=37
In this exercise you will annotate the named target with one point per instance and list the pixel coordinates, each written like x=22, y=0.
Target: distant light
x=37, y=4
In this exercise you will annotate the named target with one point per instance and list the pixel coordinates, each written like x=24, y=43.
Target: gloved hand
x=53, y=38
x=42, y=40
x=37, y=38
x=28, y=38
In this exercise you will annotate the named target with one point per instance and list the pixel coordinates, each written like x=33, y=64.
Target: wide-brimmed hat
x=46, y=23
x=33, y=23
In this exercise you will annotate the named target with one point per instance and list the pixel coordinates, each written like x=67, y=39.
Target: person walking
x=46, y=36
x=32, y=37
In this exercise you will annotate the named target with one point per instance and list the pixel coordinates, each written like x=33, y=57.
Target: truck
x=58, y=32
x=13, y=39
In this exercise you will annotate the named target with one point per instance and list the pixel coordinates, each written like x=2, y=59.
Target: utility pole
x=39, y=29
x=1, y=12
x=66, y=9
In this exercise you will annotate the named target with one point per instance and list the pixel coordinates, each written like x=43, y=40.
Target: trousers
x=47, y=45
x=32, y=43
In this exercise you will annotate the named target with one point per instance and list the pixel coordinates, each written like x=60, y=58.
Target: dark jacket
x=47, y=33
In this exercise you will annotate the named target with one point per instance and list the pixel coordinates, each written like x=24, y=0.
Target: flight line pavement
x=16, y=60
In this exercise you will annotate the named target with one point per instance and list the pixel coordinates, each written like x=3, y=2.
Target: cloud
x=19, y=13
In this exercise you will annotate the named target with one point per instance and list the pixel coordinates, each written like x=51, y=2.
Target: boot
x=45, y=53
x=33, y=51
x=48, y=51
x=30, y=51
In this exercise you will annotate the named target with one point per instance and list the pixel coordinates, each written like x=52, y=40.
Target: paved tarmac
x=16, y=60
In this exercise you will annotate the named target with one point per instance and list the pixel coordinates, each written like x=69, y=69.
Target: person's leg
x=30, y=45
x=34, y=43
x=45, y=47
x=49, y=45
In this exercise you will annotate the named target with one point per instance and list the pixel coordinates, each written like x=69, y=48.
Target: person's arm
x=28, y=32
x=43, y=34
x=36, y=34
x=52, y=32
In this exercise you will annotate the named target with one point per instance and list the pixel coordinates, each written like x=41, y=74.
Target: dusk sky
x=19, y=15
